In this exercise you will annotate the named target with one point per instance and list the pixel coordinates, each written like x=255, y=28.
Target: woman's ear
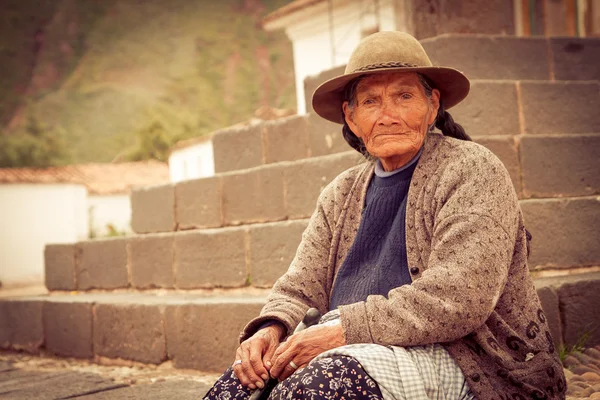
x=349, y=117
x=435, y=103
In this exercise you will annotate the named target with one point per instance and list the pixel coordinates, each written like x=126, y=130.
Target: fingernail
x=260, y=384
x=269, y=364
x=251, y=386
x=264, y=376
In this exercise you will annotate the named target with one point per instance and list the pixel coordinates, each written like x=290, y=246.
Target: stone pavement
x=582, y=370
x=26, y=377
x=43, y=378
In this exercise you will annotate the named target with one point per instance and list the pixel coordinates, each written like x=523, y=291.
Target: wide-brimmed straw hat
x=389, y=51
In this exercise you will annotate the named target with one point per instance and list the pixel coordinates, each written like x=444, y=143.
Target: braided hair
x=354, y=141
x=443, y=121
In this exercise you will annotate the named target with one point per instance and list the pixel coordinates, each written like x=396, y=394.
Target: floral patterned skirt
x=335, y=377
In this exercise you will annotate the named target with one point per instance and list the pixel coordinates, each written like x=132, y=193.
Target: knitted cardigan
x=471, y=290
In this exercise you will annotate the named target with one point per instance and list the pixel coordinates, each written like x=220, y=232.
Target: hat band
x=391, y=64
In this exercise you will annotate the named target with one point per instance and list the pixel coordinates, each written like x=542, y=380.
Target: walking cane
x=311, y=318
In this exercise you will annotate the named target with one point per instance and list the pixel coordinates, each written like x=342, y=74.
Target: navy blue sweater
x=376, y=262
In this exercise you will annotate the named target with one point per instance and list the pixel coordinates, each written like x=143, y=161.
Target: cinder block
x=286, y=139
x=490, y=109
x=272, y=248
x=311, y=83
x=491, y=57
x=152, y=261
x=430, y=18
x=560, y=107
x=59, y=266
x=576, y=58
x=579, y=303
x=565, y=232
x=506, y=149
x=130, y=331
x=238, y=148
x=205, y=336
x=305, y=180
x=556, y=166
x=550, y=305
x=21, y=325
x=198, y=203
x=68, y=328
x=102, y=264
x=209, y=258
x=153, y=209
x=254, y=195
x=325, y=137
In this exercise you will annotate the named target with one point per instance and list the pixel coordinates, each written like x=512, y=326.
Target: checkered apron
x=411, y=373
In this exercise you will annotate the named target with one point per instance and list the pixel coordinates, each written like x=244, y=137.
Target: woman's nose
x=389, y=114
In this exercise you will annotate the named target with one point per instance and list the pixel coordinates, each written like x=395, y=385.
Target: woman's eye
x=406, y=96
x=368, y=101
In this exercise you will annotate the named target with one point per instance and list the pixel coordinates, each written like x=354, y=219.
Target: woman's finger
x=281, y=359
x=247, y=367
x=287, y=372
x=268, y=356
x=237, y=368
x=280, y=349
x=296, y=362
x=256, y=350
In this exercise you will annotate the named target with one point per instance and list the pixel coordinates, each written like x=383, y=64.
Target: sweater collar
x=381, y=173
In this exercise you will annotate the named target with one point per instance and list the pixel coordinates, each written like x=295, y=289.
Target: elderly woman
x=418, y=259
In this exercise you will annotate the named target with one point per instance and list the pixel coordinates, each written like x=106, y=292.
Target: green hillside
x=103, y=72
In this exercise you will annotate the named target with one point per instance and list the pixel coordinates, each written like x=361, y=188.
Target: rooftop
x=99, y=179
x=183, y=144
x=289, y=9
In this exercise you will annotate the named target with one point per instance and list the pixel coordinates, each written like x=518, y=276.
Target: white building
x=63, y=205
x=192, y=159
x=32, y=215
x=325, y=32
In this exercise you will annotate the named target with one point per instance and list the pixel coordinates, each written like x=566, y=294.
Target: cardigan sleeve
x=305, y=284
x=472, y=243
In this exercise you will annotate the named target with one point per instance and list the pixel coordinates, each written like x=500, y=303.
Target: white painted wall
x=32, y=215
x=196, y=161
x=109, y=209
x=312, y=41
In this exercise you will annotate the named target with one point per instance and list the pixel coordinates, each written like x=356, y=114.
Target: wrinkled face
x=392, y=114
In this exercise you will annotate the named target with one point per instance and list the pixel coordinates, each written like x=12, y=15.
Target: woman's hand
x=254, y=354
x=303, y=346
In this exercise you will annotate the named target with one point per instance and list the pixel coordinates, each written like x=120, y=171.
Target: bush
x=34, y=146
x=152, y=142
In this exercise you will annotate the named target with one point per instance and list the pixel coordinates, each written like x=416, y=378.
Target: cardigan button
x=414, y=270
x=475, y=377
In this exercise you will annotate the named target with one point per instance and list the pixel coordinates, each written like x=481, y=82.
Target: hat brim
x=328, y=97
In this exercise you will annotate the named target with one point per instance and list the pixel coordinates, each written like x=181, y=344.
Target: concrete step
x=249, y=255
x=540, y=165
x=519, y=58
x=565, y=232
x=196, y=331
x=571, y=304
x=497, y=105
x=511, y=58
x=274, y=192
x=549, y=165
x=200, y=331
x=285, y=139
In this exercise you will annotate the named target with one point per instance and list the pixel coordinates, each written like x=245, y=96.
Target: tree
x=33, y=146
x=153, y=142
